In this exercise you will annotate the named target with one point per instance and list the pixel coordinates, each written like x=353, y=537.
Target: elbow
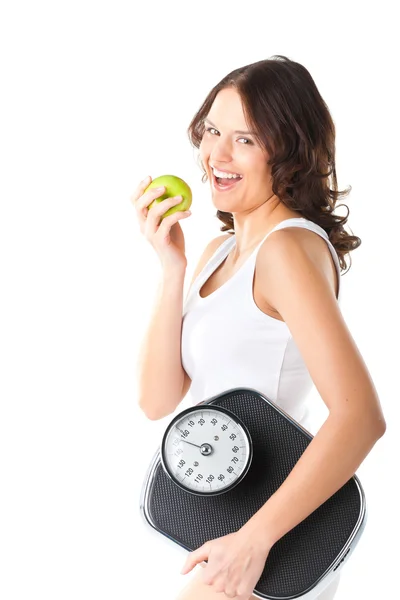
x=376, y=427
x=378, y=423
x=376, y=418
x=153, y=415
x=372, y=422
x=380, y=427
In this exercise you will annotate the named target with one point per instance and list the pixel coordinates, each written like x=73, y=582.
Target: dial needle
x=191, y=443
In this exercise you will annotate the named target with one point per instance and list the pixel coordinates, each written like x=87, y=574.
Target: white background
x=94, y=97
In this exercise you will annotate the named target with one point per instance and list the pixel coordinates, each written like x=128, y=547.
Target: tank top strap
x=220, y=254
x=211, y=265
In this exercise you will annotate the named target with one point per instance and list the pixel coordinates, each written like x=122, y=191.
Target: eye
x=248, y=141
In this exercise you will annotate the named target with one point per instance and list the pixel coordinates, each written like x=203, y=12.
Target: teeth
x=226, y=175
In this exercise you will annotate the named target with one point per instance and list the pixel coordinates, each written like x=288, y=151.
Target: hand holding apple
x=160, y=225
x=174, y=186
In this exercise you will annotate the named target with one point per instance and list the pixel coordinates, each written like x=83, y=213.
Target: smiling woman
x=291, y=153
x=262, y=311
x=266, y=142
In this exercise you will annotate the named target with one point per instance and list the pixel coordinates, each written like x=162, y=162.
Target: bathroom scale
x=218, y=463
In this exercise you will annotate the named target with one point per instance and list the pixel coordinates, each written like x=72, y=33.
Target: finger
x=140, y=189
x=195, y=557
x=167, y=222
x=220, y=586
x=157, y=220
x=143, y=205
x=231, y=591
x=158, y=209
x=144, y=201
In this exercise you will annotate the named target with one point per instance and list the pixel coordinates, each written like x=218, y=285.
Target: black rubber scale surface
x=305, y=554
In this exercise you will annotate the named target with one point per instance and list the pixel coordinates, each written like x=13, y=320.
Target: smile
x=224, y=185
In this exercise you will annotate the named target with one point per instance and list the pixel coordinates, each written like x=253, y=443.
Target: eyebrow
x=242, y=132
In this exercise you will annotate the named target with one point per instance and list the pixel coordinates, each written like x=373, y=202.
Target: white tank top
x=228, y=342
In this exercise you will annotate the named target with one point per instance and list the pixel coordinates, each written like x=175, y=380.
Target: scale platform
x=305, y=560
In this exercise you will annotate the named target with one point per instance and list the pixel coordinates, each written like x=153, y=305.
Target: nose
x=221, y=151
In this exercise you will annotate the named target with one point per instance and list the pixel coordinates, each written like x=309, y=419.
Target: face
x=226, y=150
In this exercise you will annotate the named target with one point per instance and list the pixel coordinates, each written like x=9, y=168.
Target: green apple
x=174, y=186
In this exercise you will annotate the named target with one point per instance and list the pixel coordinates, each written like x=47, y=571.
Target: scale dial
x=206, y=450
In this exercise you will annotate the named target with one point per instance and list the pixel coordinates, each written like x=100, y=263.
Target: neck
x=246, y=241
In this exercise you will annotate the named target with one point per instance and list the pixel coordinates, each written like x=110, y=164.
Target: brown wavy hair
x=283, y=105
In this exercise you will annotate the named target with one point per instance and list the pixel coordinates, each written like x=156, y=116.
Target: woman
x=263, y=308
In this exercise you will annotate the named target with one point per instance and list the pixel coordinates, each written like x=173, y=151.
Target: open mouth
x=223, y=184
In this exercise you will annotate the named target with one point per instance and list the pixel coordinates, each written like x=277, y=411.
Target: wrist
x=256, y=529
x=173, y=275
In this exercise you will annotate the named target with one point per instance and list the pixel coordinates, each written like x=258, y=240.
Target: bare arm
x=160, y=369
x=163, y=382
x=355, y=420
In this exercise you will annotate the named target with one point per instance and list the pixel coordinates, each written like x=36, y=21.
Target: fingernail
x=159, y=189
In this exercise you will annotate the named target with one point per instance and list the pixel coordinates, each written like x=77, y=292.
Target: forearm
x=328, y=462
x=160, y=372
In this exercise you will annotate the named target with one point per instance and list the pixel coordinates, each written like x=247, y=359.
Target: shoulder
x=296, y=253
x=292, y=280
x=286, y=258
x=293, y=259
x=301, y=238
